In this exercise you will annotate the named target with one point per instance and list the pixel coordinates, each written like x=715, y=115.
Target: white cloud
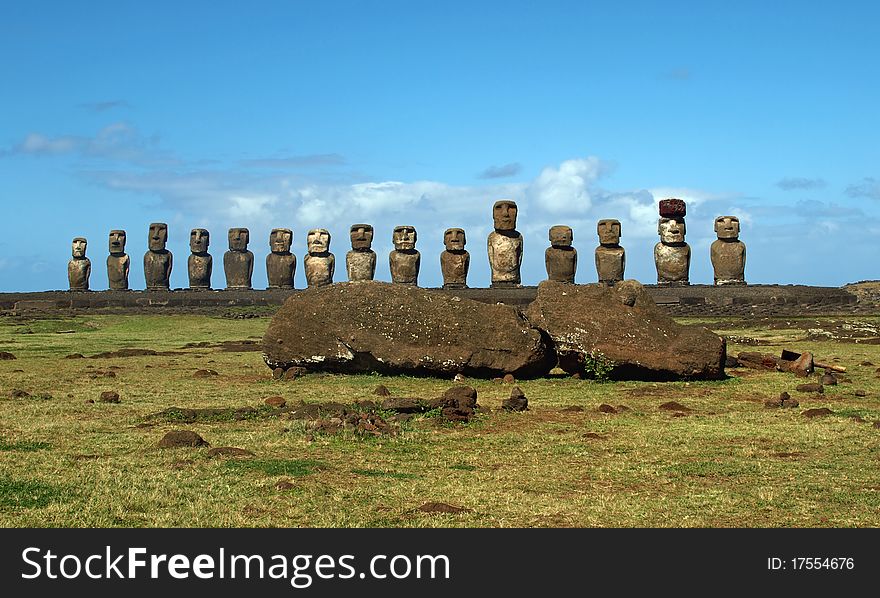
x=566, y=189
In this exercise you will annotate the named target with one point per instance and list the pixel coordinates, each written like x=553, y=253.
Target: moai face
x=361, y=236
x=561, y=236
x=404, y=238
x=198, y=240
x=280, y=240
x=117, y=242
x=727, y=227
x=454, y=239
x=318, y=240
x=158, y=236
x=671, y=230
x=609, y=232
x=504, y=214
x=78, y=247
x=238, y=239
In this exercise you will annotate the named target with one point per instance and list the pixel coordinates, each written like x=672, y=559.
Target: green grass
x=730, y=462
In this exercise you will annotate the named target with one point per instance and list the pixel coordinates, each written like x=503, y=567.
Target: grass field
x=729, y=462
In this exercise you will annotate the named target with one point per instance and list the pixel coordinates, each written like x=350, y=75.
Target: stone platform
x=690, y=300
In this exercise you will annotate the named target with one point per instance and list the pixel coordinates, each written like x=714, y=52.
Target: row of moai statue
x=672, y=255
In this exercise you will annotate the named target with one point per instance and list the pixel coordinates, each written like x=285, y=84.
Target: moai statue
x=319, y=263
x=238, y=262
x=200, y=263
x=158, y=261
x=610, y=256
x=281, y=263
x=505, y=246
x=672, y=255
x=118, y=262
x=405, y=258
x=360, y=262
x=79, y=267
x=561, y=258
x=728, y=252
x=455, y=261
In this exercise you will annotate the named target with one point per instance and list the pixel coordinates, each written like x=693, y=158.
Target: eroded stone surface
x=319, y=263
x=672, y=256
x=238, y=262
x=392, y=328
x=610, y=256
x=728, y=253
x=623, y=325
x=455, y=260
x=360, y=262
x=118, y=262
x=560, y=259
x=505, y=246
x=405, y=259
x=158, y=261
x=280, y=263
x=200, y=263
x=79, y=267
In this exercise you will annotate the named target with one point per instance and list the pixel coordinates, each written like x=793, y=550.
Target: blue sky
x=324, y=114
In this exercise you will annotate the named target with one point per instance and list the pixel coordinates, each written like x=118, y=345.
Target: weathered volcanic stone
x=391, y=328
x=625, y=325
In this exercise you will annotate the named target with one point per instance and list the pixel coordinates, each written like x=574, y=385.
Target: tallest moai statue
x=505, y=246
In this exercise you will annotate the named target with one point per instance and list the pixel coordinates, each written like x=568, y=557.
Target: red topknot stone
x=672, y=208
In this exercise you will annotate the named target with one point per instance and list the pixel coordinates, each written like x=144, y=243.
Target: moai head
x=318, y=241
x=454, y=239
x=158, y=236
x=199, y=238
x=361, y=236
x=671, y=230
x=117, y=242
x=78, y=247
x=561, y=236
x=238, y=239
x=727, y=227
x=404, y=238
x=609, y=231
x=280, y=240
x=504, y=214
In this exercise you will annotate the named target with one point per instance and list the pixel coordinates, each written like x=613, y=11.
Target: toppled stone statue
x=404, y=259
x=505, y=246
x=79, y=267
x=280, y=263
x=200, y=264
x=360, y=262
x=319, y=263
x=728, y=252
x=455, y=260
x=610, y=256
x=238, y=262
x=118, y=262
x=561, y=258
x=672, y=256
x=402, y=329
x=620, y=332
x=158, y=261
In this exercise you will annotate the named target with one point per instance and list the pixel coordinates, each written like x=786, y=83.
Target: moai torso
x=79, y=267
x=672, y=256
x=118, y=262
x=404, y=260
x=360, y=262
x=455, y=260
x=319, y=263
x=505, y=246
x=238, y=262
x=158, y=261
x=728, y=253
x=280, y=263
x=200, y=263
x=560, y=259
x=610, y=256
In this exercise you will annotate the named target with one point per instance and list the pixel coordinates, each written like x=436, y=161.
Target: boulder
x=389, y=328
x=624, y=328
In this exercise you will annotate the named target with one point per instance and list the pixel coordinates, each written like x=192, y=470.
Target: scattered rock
x=757, y=361
x=382, y=391
x=461, y=396
x=276, y=402
x=109, y=396
x=606, y=408
x=811, y=387
x=517, y=401
x=772, y=403
x=828, y=380
x=404, y=405
x=576, y=376
x=18, y=393
x=177, y=438
x=125, y=353
x=459, y=378
x=508, y=379
x=278, y=373
x=860, y=393
x=877, y=424
x=366, y=405
x=572, y=409
x=673, y=406
x=285, y=485
x=497, y=380
x=818, y=412
x=75, y=356
x=792, y=403
x=866, y=363
x=858, y=419
x=229, y=451
x=441, y=507
x=6, y=356
x=205, y=373
x=622, y=408
x=292, y=373
x=731, y=362
x=803, y=365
